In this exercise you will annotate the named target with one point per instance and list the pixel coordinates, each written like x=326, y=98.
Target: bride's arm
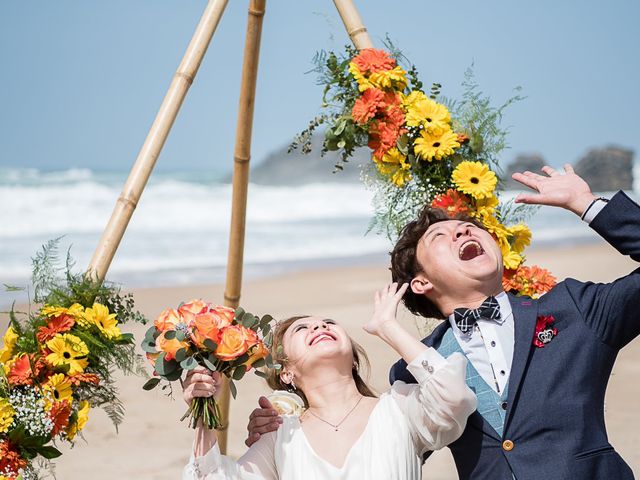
x=438, y=406
x=206, y=461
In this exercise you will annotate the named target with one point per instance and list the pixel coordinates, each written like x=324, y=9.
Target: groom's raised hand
x=556, y=189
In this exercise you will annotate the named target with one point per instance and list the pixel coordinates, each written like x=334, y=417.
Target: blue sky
x=81, y=81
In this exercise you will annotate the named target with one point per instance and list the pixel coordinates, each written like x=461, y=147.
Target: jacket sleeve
x=611, y=310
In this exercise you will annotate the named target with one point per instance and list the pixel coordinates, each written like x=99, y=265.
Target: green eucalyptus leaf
x=173, y=376
x=180, y=336
x=151, y=383
x=181, y=354
x=239, y=312
x=210, y=362
x=259, y=363
x=170, y=334
x=164, y=367
x=189, y=363
x=260, y=373
x=239, y=372
x=234, y=390
x=210, y=344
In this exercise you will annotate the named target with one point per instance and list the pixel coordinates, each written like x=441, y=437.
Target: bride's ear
x=420, y=285
x=286, y=377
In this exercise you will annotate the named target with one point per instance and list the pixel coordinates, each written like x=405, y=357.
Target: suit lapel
x=524, y=318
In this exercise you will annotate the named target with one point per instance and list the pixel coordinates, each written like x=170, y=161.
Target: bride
x=345, y=432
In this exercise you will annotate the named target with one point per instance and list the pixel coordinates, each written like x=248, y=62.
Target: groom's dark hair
x=404, y=261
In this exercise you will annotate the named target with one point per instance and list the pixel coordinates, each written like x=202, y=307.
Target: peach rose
x=208, y=325
x=190, y=309
x=170, y=347
x=233, y=343
x=167, y=320
x=257, y=352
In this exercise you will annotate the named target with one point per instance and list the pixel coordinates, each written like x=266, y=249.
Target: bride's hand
x=386, y=308
x=200, y=382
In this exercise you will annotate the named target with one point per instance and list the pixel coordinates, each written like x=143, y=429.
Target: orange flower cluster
x=55, y=325
x=10, y=459
x=453, y=202
x=529, y=281
x=371, y=60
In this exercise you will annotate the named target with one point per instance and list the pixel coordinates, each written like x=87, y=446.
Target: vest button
x=504, y=405
x=507, y=445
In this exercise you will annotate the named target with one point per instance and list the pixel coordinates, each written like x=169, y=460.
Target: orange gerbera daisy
x=24, y=369
x=453, y=202
x=60, y=324
x=382, y=137
x=59, y=414
x=366, y=107
x=530, y=281
x=371, y=60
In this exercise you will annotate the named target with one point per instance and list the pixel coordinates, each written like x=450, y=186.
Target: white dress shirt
x=489, y=345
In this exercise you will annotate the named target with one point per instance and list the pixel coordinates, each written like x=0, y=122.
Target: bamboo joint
x=239, y=159
x=189, y=78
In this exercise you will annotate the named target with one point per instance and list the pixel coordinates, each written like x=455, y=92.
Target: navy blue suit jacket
x=555, y=408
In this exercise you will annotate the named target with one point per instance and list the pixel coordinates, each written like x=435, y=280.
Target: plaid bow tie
x=466, y=318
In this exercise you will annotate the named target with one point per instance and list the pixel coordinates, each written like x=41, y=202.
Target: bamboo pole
x=150, y=151
x=241, y=157
x=353, y=23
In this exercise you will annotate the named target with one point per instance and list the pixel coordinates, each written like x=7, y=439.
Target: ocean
x=178, y=235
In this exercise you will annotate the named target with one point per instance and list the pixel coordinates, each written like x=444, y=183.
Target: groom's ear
x=420, y=285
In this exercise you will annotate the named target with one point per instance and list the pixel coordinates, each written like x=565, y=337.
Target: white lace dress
x=407, y=421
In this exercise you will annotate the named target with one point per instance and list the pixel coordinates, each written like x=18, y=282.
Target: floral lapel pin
x=545, y=331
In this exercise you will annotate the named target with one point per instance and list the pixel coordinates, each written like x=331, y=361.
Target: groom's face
x=456, y=254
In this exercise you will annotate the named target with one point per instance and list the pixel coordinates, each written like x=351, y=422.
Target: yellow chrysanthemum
x=9, y=342
x=395, y=166
x=363, y=83
x=487, y=205
x=74, y=310
x=99, y=316
x=421, y=110
x=6, y=415
x=81, y=421
x=521, y=237
x=68, y=350
x=475, y=179
x=388, y=79
x=497, y=229
x=429, y=146
x=510, y=259
x=59, y=387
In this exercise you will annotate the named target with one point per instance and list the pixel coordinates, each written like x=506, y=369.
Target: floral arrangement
x=425, y=149
x=218, y=338
x=57, y=363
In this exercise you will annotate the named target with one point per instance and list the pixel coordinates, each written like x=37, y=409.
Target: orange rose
x=167, y=320
x=234, y=342
x=257, y=352
x=190, y=309
x=226, y=315
x=170, y=347
x=208, y=325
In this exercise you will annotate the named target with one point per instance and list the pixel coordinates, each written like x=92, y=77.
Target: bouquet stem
x=205, y=409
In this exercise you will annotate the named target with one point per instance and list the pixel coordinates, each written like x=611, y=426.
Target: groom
x=538, y=367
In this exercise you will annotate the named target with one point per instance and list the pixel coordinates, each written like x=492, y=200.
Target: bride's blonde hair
x=360, y=362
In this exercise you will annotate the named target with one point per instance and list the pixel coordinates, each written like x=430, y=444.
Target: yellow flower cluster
x=9, y=342
x=6, y=415
x=99, y=316
x=395, y=166
x=68, y=350
x=80, y=421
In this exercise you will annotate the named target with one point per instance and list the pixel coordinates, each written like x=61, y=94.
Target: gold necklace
x=343, y=418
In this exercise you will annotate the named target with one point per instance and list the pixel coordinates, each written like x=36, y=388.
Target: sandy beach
x=153, y=444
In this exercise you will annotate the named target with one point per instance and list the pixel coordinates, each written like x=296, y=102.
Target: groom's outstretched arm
x=610, y=310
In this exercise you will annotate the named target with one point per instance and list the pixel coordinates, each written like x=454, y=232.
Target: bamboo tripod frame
x=159, y=131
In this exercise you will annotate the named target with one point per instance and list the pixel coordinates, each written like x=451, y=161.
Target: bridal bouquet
x=425, y=149
x=56, y=364
x=219, y=338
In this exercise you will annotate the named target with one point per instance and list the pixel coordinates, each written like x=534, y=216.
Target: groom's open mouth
x=470, y=250
x=322, y=337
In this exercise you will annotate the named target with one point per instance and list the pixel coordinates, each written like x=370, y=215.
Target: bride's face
x=311, y=340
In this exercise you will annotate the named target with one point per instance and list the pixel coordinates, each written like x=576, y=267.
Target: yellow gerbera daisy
x=363, y=83
x=421, y=110
x=429, y=146
x=59, y=387
x=475, y=179
x=74, y=310
x=81, y=421
x=99, y=316
x=497, y=229
x=9, y=342
x=6, y=415
x=67, y=349
x=521, y=237
x=387, y=79
x=395, y=166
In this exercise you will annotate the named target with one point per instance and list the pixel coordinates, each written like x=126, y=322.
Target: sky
x=82, y=80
